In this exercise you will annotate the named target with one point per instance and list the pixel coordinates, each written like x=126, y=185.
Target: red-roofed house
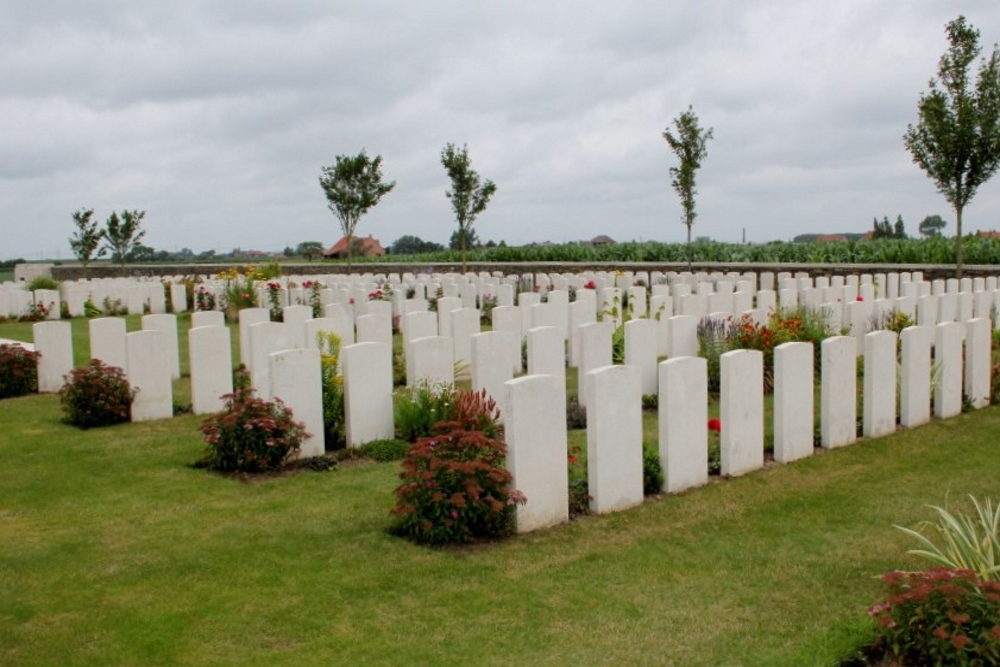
x=363, y=247
x=988, y=235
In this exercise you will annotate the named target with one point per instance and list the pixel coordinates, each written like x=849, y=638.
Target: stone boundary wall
x=930, y=271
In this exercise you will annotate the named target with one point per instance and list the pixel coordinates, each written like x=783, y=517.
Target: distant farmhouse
x=361, y=247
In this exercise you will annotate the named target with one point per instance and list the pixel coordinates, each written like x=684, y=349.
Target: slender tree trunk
x=688, y=224
x=461, y=244
x=958, y=241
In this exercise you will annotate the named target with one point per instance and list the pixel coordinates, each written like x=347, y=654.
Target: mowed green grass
x=113, y=550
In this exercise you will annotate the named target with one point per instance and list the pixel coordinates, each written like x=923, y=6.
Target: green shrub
x=418, y=409
x=576, y=414
x=652, y=471
x=18, y=371
x=42, y=282
x=938, y=617
x=455, y=486
x=967, y=542
x=389, y=449
x=334, y=418
x=251, y=434
x=96, y=395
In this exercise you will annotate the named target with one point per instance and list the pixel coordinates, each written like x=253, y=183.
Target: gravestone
x=296, y=379
x=741, y=410
x=107, y=341
x=793, y=401
x=948, y=357
x=879, y=417
x=54, y=342
x=210, y=359
x=838, y=393
x=536, y=450
x=640, y=351
x=368, y=392
x=430, y=360
x=978, y=361
x=149, y=373
x=683, y=418
x=915, y=375
x=614, y=438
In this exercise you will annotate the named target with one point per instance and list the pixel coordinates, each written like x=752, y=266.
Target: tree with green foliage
x=957, y=136
x=462, y=239
x=353, y=186
x=690, y=145
x=413, y=245
x=123, y=234
x=86, y=240
x=469, y=196
x=888, y=230
x=309, y=250
x=932, y=225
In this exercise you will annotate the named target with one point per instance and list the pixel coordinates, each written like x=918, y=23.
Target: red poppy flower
x=715, y=425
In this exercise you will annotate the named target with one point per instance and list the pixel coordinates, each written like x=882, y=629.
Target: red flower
x=590, y=284
x=307, y=284
x=571, y=458
x=860, y=298
x=715, y=425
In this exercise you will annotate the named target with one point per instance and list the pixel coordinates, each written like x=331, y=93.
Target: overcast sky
x=216, y=116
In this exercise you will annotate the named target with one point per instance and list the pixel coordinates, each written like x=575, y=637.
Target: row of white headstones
x=284, y=362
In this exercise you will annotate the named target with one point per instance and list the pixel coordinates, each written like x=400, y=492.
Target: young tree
x=689, y=144
x=309, y=249
x=86, y=240
x=353, y=185
x=469, y=196
x=123, y=234
x=957, y=136
x=932, y=226
x=899, y=229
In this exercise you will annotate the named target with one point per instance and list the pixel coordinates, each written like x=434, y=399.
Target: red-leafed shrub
x=938, y=617
x=455, y=486
x=96, y=395
x=18, y=371
x=251, y=434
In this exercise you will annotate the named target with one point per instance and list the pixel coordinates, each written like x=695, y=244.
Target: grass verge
x=114, y=551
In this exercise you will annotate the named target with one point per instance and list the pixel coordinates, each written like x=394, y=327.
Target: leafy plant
x=418, y=409
x=967, y=542
x=576, y=414
x=42, y=282
x=455, y=486
x=389, y=449
x=334, y=419
x=937, y=617
x=652, y=471
x=18, y=370
x=251, y=434
x=96, y=395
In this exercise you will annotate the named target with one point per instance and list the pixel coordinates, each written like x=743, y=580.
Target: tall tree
x=309, y=249
x=469, y=196
x=899, y=229
x=123, y=234
x=86, y=240
x=690, y=145
x=353, y=186
x=957, y=136
x=932, y=225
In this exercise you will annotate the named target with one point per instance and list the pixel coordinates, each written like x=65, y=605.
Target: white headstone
x=368, y=392
x=614, y=438
x=210, y=356
x=741, y=409
x=536, y=450
x=107, y=341
x=978, y=361
x=167, y=325
x=149, y=373
x=296, y=379
x=948, y=359
x=879, y=416
x=683, y=418
x=838, y=393
x=793, y=401
x=54, y=342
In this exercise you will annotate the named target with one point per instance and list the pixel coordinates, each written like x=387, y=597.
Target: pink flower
x=454, y=514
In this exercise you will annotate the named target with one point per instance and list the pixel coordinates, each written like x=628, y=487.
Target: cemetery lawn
x=113, y=550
